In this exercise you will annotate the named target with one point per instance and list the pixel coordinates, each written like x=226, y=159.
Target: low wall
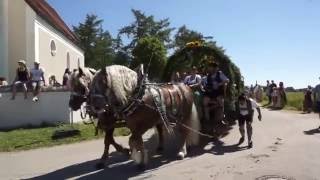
x=52, y=108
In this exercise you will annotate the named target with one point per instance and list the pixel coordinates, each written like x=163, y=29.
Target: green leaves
x=146, y=26
x=96, y=43
x=150, y=50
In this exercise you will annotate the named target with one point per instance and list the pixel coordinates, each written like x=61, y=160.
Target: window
x=68, y=60
x=53, y=48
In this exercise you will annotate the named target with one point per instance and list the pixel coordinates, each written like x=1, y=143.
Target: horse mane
x=121, y=81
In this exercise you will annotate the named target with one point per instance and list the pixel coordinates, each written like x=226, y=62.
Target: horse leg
x=117, y=146
x=105, y=155
x=160, y=134
x=138, y=153
x=183, y=147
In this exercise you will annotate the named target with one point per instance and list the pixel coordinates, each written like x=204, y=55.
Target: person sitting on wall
x=37, y=76
x=3, y=81
x=21, y=79
x=53, y=82
x=66, y=77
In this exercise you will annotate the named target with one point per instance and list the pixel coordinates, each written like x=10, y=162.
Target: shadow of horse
x=120, y=167
x=312, y=131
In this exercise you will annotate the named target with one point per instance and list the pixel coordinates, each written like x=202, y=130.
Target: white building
x=32, y=30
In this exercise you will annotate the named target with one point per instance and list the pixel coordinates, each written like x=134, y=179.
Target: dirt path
x=285, y=144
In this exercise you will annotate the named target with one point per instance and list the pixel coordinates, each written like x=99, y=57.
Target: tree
x=150, y=50
x=145, y=26
x=185, y=35
x=96, y=43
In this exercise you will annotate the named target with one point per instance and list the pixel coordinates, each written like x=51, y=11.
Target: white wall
x=4, y=38
x=55, y=65
x=52, y=108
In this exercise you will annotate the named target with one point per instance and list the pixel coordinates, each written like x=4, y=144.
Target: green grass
x=24, y=139
x=294, y=101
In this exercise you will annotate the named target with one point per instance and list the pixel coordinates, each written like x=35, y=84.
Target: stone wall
x=52, y=108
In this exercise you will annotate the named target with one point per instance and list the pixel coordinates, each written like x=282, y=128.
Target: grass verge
x=294, y=101
x=24, y=139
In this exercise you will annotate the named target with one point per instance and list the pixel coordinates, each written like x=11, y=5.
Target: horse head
x=79, y=83
x=112, y=86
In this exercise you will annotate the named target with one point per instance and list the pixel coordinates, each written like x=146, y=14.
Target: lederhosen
x=245, y=118
x=209, y=91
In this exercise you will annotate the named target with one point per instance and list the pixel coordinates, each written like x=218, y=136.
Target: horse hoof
x=100, y=165
x=181, y=155
x=159, y=149
x=126, y=152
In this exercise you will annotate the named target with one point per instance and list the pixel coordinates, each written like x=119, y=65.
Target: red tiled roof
x=44, y=10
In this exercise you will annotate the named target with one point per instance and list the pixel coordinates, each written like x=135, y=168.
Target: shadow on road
x=312, y=131
x=119, y=167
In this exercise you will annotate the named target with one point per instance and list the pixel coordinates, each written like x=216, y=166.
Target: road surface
x=286, y=144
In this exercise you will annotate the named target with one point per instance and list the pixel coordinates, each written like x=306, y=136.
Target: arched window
x=53, y=48
x=68, y=60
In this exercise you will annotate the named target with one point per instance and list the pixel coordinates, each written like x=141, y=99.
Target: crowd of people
x=32, y=79
x=277, y=97
x=209, y=88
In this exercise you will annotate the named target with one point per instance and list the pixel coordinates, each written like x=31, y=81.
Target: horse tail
x=194, y=123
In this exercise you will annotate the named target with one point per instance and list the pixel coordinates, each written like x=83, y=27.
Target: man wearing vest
x=214, y=86
x=245, y=111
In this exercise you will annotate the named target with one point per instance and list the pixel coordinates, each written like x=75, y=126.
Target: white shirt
x=37, y=74
x=244, y=109
x=189, y=80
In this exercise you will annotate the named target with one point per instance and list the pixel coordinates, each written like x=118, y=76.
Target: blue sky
x=267, y=39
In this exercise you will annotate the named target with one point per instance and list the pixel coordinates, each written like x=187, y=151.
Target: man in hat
x=245, y=110
x=37, y=76
x=214, y=86
x=21, y=79
x=316, y=95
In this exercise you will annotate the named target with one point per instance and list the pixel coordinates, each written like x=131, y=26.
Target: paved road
x=285, y=144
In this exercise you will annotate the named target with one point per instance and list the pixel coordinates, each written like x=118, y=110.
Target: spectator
x=316, y=95
x=53, y=82
x=307, y=103
x=3, y=81
x=21, y=79
x=282, y=95
x=37, y=77
x=268, y=92
x=66, y=76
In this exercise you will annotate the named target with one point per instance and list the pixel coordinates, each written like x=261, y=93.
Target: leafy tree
x=150, y=50
x=96, y=43
x=122, y=58
x=185, y=35
x=145, y=26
